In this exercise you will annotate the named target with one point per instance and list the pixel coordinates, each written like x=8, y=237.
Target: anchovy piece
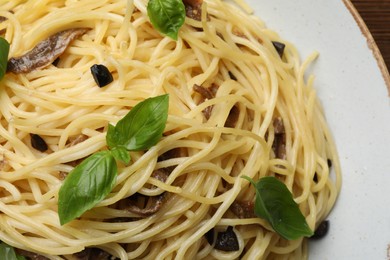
x=30, y=255
x=279, y=145
x=92, y=253
x=243, y=209
x=206, y=93
x=45, y=52
x=145, y=206
x=193, y=9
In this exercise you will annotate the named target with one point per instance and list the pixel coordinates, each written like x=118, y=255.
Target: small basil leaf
x=275, y=203
x=7, y=252
x=142, y=127
x=85, y=186
x=121, y=154
x=113, y=138
x=167, y=16
x=4, y=50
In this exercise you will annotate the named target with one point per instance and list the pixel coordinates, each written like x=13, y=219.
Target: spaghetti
x=237, y=107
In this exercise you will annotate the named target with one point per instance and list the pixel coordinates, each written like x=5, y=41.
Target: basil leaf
x=7, y=252
x=275, y=203
x=167, y=16
x=85, y=186
x=142, y=127
x=121, y=154
x=4, y=50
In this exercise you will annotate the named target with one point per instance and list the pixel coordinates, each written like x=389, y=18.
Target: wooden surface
x=376, y=15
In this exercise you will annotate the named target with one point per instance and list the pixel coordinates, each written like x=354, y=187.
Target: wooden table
x=376, y=15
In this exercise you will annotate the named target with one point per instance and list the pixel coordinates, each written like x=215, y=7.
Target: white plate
x=352, y=84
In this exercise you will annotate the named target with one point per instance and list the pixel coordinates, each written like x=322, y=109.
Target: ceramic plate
x=352, y=83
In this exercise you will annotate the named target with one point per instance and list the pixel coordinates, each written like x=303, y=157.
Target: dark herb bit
x=45, y=52
x=210, y=236
x=329, y=161
x=231, y=75
x=38, y=143
x=101, y=75
x=321, y=230
x=279, y=48
x=227, y=241
x=232, y=118
x=315, y=177
x=55, y=62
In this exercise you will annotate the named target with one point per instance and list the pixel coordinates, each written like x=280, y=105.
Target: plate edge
x=370, y=42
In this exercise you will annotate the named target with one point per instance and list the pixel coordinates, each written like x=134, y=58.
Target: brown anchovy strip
x=153, y=204
x=2, y=19
x=206, y=93
x=45, y=52
x=86, y=254
x=210, y=93
x=92, y=254
x=30, y=255
x=243, y=209
x=193, y=9
x=232, y=118
x=279, y=145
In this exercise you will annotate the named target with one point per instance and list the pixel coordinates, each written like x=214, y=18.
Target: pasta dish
x=136, y=129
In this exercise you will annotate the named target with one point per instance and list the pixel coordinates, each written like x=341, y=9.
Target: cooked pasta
x=236, y=107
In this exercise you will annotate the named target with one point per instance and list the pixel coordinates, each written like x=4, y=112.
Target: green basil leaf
x=121, y=154
x=4, y=50
x=167, y=16
x=142, y=127
x=7, y=252
x=275, y=203
x=85, y=186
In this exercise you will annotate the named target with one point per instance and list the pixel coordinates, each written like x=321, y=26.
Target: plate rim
x=370, y=42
